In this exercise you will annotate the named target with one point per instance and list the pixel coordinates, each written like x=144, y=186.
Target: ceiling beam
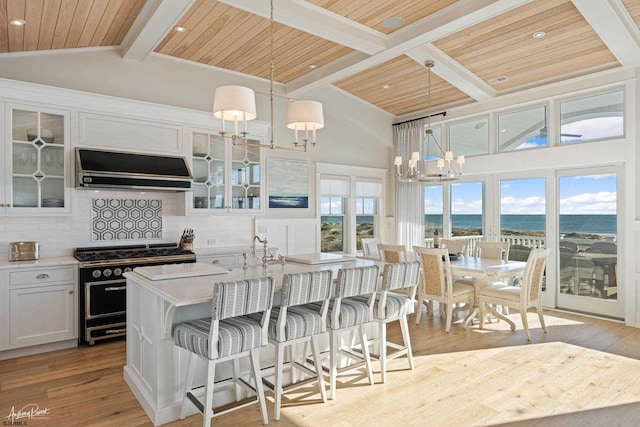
x=453, y=72
x=449, y=20
x=318, y=21
x=154, y=22
x=610, y=19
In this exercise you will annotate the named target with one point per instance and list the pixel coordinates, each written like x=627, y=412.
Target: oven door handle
x=106, y=282
x=115, y=288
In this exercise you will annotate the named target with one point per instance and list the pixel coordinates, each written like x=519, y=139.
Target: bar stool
x=228, y=334
x=348, y=312
x=393, y=306
x=299, y=320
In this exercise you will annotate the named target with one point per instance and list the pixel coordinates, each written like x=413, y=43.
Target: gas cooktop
x=117, y=253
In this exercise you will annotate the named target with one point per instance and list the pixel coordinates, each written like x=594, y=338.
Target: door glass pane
x=433, y=210
x=591, y=118
x=522, y=129
x=466, y=209
x=522, y=215
x=588, y=239
x=470, y=137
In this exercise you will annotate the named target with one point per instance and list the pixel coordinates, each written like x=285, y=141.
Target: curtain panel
x=409, y=196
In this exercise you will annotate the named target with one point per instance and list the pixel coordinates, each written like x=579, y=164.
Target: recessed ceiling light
x=180, y=29
x=313, y=66
x=539, y=34
x=386, y=86
x=17, y=22
x=393, y=22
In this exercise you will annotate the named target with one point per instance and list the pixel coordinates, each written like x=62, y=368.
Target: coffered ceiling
x=482, y=48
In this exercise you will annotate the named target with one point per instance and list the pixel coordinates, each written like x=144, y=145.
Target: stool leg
x=404, y=326
x=365, y=350
x=208, y=394
x=254, y=356
x=191, y=369
x=333, y=361
x=318, y=365
x=382, y=338
x=280, y=348
x=236, y=369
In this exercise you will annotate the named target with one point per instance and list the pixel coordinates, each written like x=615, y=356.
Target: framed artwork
x=288, y=182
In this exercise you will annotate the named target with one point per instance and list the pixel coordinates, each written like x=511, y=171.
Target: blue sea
x=600, y=224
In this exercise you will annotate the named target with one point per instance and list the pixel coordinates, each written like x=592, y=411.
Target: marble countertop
x=199, y=289
x=42, y=262
x=215, y=250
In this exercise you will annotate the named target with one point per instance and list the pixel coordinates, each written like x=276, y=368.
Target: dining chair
x=298, y=320
x=519, y=252
x=229, y=334
x=348, y=311
x=492, y=250
x=370, y=248
x=457, y=246
x=392, y=306
x=437, y=283
x=392, y=253
x=519, y=297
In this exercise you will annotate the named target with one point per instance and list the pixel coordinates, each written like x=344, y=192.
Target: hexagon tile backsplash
x=126, y=219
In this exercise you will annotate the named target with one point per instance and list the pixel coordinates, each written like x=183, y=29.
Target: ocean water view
x=600, y=224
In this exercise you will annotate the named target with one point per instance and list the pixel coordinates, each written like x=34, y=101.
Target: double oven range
x=103, y=288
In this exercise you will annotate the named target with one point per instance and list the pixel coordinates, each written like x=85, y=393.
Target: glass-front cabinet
x=225, y=176
x=36, y=160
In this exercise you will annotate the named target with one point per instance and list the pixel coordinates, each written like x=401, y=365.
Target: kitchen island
x=156, y=369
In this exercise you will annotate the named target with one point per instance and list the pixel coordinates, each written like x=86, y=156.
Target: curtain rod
x=443, y=114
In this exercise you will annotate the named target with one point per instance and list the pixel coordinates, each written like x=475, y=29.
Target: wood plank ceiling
x=345, y=43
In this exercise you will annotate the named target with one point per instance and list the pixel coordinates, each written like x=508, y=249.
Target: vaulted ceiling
x=482, y=48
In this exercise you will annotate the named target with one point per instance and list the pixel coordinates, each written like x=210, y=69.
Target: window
x=433, y=209
x=367, y=195
x=523, y=129
x=470, y=137
x=466, y=209
x=333, y=194
x=592, y=118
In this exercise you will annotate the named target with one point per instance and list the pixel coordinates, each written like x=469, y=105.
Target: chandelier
x=447, y=171
x=237, y=104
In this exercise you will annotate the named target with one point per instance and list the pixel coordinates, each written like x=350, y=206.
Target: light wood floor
x=585, y=371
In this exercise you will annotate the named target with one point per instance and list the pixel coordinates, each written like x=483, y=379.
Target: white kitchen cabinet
x=36, y=179
x=222, y=260
x=42, y=306
x=226, y=177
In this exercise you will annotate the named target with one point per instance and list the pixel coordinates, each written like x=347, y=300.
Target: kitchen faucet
x=265, y=258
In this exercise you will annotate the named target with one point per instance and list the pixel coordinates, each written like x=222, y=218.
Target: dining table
x=483, y=271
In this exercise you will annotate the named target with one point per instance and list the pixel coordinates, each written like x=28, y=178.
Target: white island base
x=156, y=369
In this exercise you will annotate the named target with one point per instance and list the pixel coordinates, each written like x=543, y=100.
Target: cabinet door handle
x=215, y=261
x=70, y=292
x=115, y=288
x=42, y=276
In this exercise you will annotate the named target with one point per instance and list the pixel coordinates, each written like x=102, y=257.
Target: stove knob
x=96, y=274
x=107, y=272
x=127, y=269
x=117, y=272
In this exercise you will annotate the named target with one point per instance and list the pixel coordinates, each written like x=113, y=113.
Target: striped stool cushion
x=397, y=305
x=235, y=335
x=353, y=311
x=301, y=321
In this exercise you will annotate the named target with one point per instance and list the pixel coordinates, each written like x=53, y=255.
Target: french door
x=576, y=214
x=587, y=236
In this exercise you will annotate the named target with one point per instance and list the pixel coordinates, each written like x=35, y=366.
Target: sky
x=586, y=195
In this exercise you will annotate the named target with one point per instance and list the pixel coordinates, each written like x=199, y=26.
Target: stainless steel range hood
x=120, y=170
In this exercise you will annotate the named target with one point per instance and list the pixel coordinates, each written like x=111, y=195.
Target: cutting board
x=177, y=271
